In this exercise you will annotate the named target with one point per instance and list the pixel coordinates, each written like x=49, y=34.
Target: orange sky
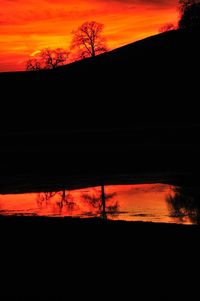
x=28, y=25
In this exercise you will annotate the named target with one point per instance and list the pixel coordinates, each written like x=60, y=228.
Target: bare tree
x=88, y=40
x=33, y=65
x=53, y=58
x=167, y=27
x=47, y=59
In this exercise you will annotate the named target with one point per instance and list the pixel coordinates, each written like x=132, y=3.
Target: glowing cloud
x=35, y=53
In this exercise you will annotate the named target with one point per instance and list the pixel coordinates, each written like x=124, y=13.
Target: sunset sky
x=26, y=26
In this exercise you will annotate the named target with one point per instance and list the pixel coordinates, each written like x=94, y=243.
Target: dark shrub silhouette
x=190, y=14
x=185, y=203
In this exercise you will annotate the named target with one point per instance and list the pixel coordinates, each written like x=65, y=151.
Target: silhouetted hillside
x=152, y=80
x=133, y=111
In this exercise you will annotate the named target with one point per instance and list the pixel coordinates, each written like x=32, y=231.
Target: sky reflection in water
x=143, y=202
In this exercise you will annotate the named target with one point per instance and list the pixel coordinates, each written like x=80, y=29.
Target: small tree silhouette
x=88, y=40
x=47, y=59
x=100, y=202
x=190, y=14
x=33, y=65
x=167, y=27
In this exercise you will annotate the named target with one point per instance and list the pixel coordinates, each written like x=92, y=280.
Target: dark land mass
x=128, y=116
x=51, y=160
x=149, y=81
x=132, y=110
x=49, y=257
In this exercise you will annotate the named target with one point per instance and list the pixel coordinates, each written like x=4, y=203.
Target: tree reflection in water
x=44, y=198
x=103, y=203
x=63, y=199
x=184, y=204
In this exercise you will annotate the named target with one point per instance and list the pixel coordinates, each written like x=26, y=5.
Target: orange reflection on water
x=143, y=202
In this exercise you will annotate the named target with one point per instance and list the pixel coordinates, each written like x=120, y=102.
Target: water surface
x=141, y=202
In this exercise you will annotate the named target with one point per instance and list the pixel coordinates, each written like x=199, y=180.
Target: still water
x=143, y=202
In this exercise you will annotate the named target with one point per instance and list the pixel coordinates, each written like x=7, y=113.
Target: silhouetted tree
x=88, y=40
x=101, y=203
x=33, y=65
x=190, y=14
x=47, y=59
x=184, y=4
x=167, y=27
x=185, y=202
x=44, y=198
x=64, y=199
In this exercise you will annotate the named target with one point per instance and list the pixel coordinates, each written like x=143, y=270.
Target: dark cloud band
x=147, y=2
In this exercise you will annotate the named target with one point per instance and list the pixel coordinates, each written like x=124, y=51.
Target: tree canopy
x=88, y=40
x=47, y=59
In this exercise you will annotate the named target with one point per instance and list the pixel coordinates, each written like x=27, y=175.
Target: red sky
x=27, y=26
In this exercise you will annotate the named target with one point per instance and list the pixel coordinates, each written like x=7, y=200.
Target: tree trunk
x=63, y=195
x=103, y=197
x=93, y=51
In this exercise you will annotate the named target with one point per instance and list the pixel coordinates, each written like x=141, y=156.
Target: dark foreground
x=137, y=122
x=51, y=160
x=123, y=112
x=142, y=82
x=53, y=257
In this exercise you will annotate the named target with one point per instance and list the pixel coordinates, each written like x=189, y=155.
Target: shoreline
x=85, y=221
x=30, y=183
